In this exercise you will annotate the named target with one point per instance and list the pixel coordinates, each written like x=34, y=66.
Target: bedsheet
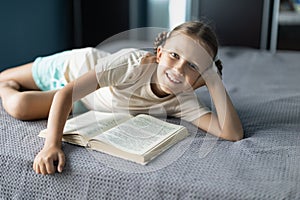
x=264, y=88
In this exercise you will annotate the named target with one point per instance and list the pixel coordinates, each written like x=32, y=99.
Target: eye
x=193, y=66
x=174, y=55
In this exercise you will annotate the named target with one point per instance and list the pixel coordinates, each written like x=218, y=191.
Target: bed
x=264, y=88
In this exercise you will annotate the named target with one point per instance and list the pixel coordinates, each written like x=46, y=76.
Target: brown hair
x=198, y=30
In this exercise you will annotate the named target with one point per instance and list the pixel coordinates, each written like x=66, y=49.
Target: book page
x=93, y=123
x=138, y=134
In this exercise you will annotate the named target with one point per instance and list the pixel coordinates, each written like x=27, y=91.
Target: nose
x=179, y=66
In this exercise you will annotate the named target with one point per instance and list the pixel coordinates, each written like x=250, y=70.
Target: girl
x=131, y=79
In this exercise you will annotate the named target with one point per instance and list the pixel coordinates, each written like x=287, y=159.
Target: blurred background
x=34, y=28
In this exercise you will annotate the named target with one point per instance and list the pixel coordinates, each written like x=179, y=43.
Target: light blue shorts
x=48, y=72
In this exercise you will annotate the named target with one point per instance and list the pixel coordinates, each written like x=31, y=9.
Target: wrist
x=51, y=142
x=52, y=145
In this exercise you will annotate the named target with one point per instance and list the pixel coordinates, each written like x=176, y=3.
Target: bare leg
x=22, y=75
x=27, y=105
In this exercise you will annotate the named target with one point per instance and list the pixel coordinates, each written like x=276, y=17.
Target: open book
x=138, y=139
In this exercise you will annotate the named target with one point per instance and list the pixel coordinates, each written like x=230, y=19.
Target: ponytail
x=219, y=65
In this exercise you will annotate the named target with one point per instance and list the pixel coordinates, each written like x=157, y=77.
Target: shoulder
x=148, y=58
x=129, y=53
x=124, y=57
x=122, y=67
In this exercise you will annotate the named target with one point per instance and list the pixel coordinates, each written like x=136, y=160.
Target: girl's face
x=180, y=63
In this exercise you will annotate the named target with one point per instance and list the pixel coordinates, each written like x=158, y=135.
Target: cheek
x=193, y=79
x=162, y=67
x=160, y=74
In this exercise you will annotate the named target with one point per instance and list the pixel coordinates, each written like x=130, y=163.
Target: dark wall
x=99, y=20
x=34, y=28
x=31, y=28
x=288, y=37
x=237, y=22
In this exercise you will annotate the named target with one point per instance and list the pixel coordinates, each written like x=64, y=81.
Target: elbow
x=63, y=97
x=237, y=136
x=234, y=136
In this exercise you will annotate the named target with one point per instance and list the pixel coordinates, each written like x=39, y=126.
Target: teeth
x=172, y=78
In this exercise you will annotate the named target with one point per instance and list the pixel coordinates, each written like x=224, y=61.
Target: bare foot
x=10, y=84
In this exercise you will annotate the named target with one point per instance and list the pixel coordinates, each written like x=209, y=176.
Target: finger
x=50, y=167
x=61, y=162
x=36, y=168
x=43, y=169
x=38, y=171
x=199, y=82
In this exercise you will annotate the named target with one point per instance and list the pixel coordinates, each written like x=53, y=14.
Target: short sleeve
x=190, y=107
x=119, y=68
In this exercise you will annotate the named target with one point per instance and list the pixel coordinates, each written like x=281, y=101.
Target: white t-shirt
x=125, y=86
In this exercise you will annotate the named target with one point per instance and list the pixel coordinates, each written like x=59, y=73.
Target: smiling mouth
x=172, y=78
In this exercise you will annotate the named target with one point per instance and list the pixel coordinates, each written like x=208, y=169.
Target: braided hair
x=198, y=30
x=160, y=40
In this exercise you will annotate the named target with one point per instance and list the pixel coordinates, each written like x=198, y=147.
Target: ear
x=158, y=53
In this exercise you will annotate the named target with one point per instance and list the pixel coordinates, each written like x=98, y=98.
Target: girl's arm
x=59, y=112
x=226, y=124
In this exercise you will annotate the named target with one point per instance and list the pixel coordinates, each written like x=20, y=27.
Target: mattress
x=264, y=88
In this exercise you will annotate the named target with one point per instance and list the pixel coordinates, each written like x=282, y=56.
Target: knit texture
x=264, y=165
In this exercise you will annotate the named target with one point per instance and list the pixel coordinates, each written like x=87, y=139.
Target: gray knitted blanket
x=264, y=165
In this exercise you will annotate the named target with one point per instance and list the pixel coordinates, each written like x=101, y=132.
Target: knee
x=3, y=74
x=17, y=106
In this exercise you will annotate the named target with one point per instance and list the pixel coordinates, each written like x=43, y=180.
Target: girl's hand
x=44, y=161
